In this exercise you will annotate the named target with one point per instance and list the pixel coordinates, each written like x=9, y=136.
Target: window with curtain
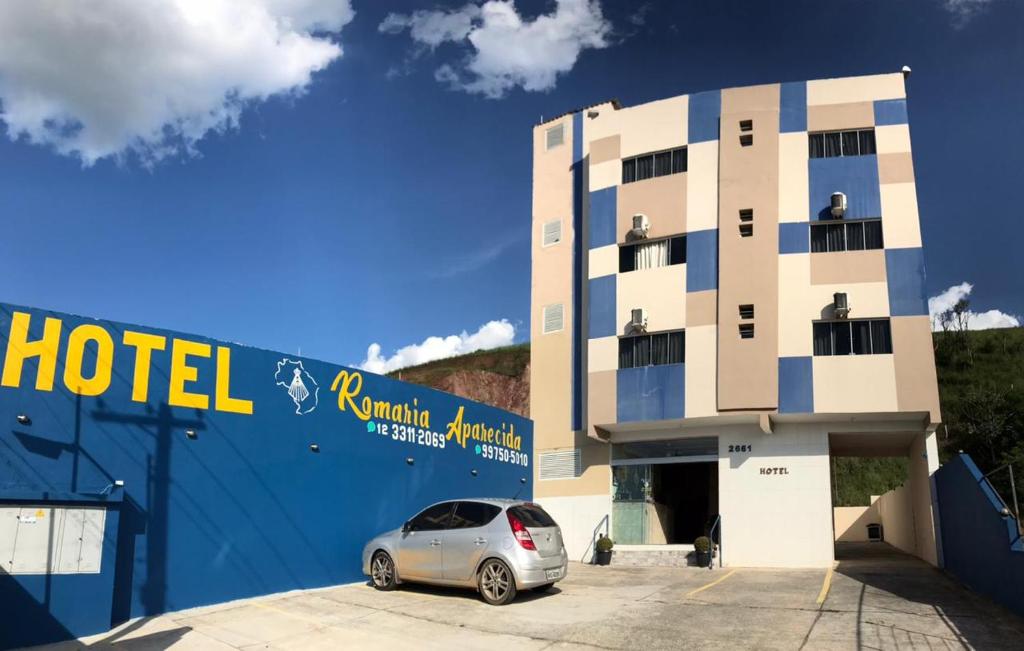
x=652, y=254
x=656, y=349
x=831, y=144
x=841, y=235
x=853, y=337
x=647, y=166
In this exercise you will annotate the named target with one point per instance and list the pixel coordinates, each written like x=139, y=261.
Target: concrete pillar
x=924, y=461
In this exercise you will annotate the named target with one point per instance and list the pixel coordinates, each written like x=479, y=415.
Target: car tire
x=382, y=572
x=544, y=588
x=496, y=582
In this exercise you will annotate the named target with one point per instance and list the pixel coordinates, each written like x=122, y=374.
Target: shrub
x=604, y=544
x=702, y=544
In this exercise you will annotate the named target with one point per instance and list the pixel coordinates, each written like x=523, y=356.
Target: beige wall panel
x=794, y=201
x=895, y=168
x=924, y=461
x=832, y=117
x=654, y=126
x=604, y=125
x=662, y=199
x=915, y=365
x=603, y=261
x=660, y=291
x=551, y=283
x=901, y=227
x=854, y=383
x=596, y=476
x=702, y=186
x=892, y=138
x=702, y=308
x=604, y=150
x=602, y=354
x=604, y=175
x=701, y=359
x=779, y=520
x=896, y=515
x=855, y=89
x=848, y=267
x=867, y=300
x=601, y=398
x=796, y=310
x=851, y=522
x=748, y=266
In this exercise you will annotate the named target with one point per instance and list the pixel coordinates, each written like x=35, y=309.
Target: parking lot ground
x=877, y=598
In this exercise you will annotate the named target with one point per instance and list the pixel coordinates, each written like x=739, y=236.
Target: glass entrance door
x=631, y=501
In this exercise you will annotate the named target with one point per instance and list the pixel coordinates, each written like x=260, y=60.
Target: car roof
x=496, y=501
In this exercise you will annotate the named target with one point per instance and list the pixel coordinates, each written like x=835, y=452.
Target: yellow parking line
x=825, y=587
x=712, y=584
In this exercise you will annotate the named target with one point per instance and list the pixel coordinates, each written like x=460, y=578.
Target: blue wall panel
x=601, y=317
x=796, y=385
x=793, y=107
x=602, y=216
x=650, y=393
x=904, y=271
x=702, y=260
x=980, y=547
x=705, y=109
x=890, y=111
x=577, y=270
x=794, y=237
x=855, y=176
x=245, y=508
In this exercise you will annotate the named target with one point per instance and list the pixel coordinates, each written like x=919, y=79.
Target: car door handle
x=435, y=543
x=480, y=541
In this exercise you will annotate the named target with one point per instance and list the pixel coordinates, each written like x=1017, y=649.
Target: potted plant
x=604, y=550
x=702, y=546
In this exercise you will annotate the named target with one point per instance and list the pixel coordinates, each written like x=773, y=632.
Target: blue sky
x=357, y=196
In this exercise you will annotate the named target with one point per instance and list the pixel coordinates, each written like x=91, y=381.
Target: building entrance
x=664, y=500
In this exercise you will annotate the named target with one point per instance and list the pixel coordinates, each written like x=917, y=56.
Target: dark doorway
x=689, y=494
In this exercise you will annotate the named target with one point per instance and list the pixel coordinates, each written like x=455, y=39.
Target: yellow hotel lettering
x=19, y=348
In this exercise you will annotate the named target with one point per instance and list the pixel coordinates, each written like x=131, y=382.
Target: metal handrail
x=711, y=536
x=602, y=524
x=1015, y=514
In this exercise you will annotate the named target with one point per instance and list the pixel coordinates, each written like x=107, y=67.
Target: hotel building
x=728, y=290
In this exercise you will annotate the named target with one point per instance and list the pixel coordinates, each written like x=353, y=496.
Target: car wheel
x=544, y=588
x=382, y=571
x=496, y=582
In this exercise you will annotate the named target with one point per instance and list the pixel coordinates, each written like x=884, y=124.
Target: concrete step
x=653, y=558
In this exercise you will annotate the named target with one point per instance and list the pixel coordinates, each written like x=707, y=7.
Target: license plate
x=553, y=574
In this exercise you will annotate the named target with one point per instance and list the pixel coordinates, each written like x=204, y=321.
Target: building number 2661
x=741, y=448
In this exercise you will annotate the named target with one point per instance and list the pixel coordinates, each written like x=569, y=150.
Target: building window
x=652, y=350
x=746, y=230
x=829, y=237
x=829, y=144
x=747, y=311
x=648, y=166
x=746, y=331
x=746, y=139
x=746, y=125
x=649, y=255
x=553, y=318
x=556, y=136
x=852, y=337
x=552, y=232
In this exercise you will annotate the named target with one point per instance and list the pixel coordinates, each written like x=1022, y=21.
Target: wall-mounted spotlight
x=522, y=480
x=410, y=460
x=313, y=447
x=474, y=472
x=24, y=420
x=191, y=434
x=593, y=114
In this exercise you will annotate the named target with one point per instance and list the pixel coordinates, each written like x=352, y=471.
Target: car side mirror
x=407, y=527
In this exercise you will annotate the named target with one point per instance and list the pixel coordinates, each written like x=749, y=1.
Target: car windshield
x=531, y=515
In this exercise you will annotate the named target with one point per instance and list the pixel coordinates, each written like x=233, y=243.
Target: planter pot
x=703, y=559
x=603, y=558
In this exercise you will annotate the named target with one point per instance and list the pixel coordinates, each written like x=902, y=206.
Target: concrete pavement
x=877, y=598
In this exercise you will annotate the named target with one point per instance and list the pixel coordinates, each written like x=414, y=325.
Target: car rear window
x=531, y=515
x=473, y=514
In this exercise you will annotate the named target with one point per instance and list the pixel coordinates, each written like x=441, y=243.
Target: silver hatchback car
x=497, y=546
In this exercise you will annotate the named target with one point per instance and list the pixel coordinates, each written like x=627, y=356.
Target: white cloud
x=963, y=11
x=504, y=50
x=151, y=77
x=492, y=334
x=975, y=320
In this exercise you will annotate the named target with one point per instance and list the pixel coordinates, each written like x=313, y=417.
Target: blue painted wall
x=905, y=275
x=796, y=385
x=980, y=546
x=702, y=260
x=890, y=111
x=793, y=107
x=601, y=317
x=650, y=393
x=703, y=115
x=603, y=207
x=577, y=270
x=243, y=509
x=794, y=237
x=855, y=176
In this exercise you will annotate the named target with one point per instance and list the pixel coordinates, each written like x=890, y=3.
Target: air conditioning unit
x=638, y=321
x=841, y=305
x=838, y=205
x=641, y=226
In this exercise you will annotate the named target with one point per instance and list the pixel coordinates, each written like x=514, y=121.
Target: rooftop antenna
x=522, y=482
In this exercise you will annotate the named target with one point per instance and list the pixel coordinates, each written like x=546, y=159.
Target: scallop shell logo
x=299, y=384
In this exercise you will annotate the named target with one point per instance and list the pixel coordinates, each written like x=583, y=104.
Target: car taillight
x=520, y=532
